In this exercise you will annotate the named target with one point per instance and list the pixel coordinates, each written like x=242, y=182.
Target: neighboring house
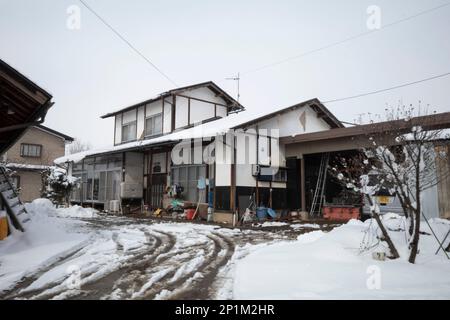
x=34, y=152
x=282, y=152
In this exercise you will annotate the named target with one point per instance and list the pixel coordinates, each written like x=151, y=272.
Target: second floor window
x=30, y=150
x=153, y=125
x=129, y=131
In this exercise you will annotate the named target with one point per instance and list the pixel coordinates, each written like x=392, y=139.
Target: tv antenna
x=237, y=79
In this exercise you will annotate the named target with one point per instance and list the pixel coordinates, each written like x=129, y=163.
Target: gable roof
x=314, y=104
x=208, y=129
x=22, y=104
x=436, y=121
x=235, y=106
x=54, y=132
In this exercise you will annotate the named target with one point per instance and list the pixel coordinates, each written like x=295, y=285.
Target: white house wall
x=167, y=118
x=153, y=108
x=118, y=129
x=289, y=123
x=181, y=112
x=201, y=111
x=140, y=122
x=223, y=155
x=430, y=202
x=221, y=111
x=204, y=94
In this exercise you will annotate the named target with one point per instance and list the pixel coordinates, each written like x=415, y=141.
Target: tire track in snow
x=197, y=276
x=163, y=266
x=27, y=280
x=94, y=273
x=96, y=290
x=200, y=284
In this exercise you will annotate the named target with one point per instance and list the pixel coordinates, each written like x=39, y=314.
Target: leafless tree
x=352, y=173
x=405, y=160
x=78, y=146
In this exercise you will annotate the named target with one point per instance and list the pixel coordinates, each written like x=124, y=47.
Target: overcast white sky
x=91, y=72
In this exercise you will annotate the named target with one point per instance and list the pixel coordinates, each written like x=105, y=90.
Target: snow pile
x=77, y=212
x=44, y=207
x=332, y=266
x=41, y=208
x=46, y=238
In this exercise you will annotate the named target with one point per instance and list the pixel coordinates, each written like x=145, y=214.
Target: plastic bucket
x=261, y=213
x=190, y=214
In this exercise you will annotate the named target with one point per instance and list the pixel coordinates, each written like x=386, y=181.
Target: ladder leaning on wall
x=11, y=201
x=318, y=198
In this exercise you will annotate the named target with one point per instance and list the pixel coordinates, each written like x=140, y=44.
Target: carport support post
x=302, y=184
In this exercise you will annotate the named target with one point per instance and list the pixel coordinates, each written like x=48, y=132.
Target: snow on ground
x=297, y=226
x=126, y=258
x=46, y=238
x=332, y=266
x=273, y=224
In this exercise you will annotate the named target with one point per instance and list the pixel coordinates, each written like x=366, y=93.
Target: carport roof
x=22, y=104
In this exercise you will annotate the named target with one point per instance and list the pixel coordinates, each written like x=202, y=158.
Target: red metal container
x=340, y=213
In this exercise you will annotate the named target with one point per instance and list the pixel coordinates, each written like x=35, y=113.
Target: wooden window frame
x=161, y=114
x=128, y=124
x=22, y=154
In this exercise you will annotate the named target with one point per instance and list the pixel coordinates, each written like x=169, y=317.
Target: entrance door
x=158, y=183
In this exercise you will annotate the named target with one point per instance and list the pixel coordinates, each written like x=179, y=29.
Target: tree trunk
x=386, y=236
x=415, y=241
x=411, y=224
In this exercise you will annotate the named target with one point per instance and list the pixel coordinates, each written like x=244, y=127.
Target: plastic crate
x=340, y=213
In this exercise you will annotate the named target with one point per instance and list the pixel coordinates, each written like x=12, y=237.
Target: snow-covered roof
x=25, y=166
x=235, y=105
x=209, y=129
x=204, y=130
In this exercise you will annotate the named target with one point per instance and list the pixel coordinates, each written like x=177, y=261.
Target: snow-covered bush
x=57, y=185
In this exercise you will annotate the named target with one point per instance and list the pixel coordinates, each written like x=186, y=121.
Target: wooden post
x=302, y=184
x=233, y=178
x=173, y=113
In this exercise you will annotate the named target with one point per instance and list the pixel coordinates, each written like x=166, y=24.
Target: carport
x=22, y=104
x=304, y=153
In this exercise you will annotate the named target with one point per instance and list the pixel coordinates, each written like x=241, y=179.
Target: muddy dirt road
x=128, y=258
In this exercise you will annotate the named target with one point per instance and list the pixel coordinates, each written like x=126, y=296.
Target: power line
x=127, y=42
x=359, y=35
x=388, y=89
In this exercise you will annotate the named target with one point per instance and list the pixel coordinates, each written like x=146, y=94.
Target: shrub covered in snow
x=57, y=185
